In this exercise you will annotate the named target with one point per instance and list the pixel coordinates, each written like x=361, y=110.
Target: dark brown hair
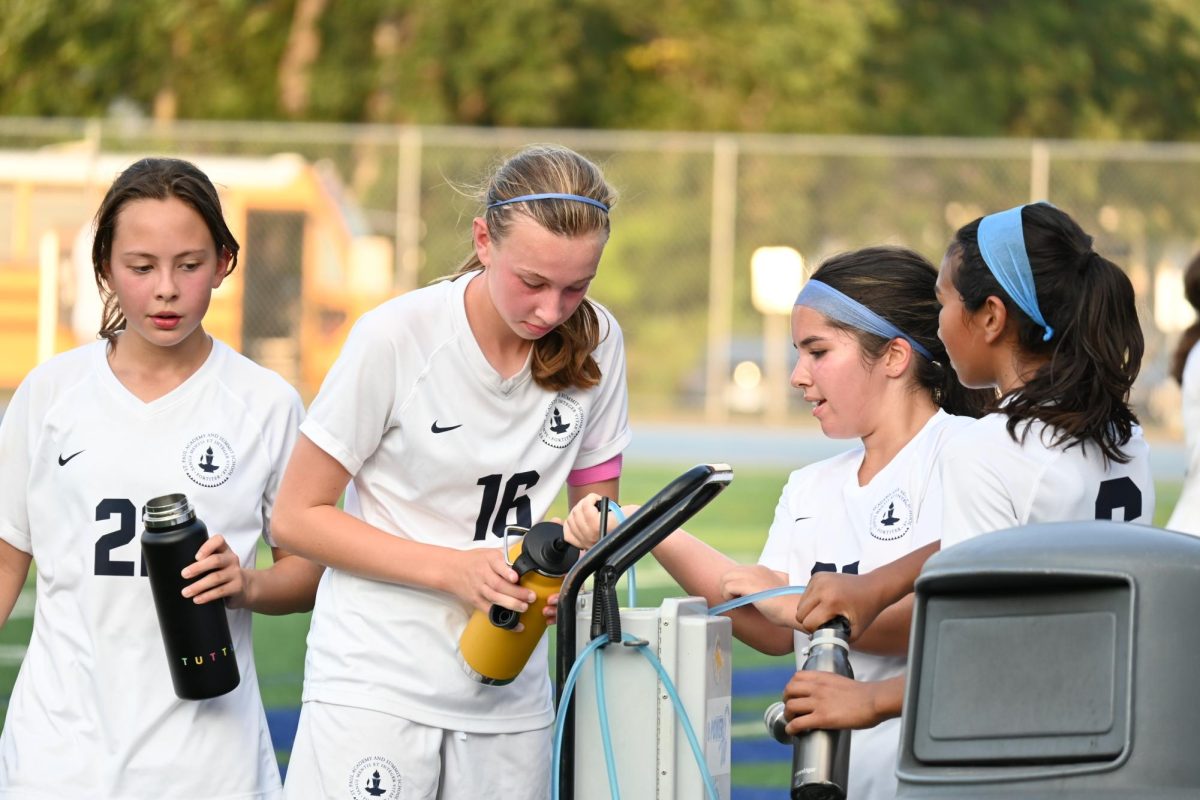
x=563, y=357
x=154, y=179
x=898, y=285
x=1191, y=290
x=1082, y=389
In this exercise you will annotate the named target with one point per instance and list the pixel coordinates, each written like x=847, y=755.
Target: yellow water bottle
x=490, y=650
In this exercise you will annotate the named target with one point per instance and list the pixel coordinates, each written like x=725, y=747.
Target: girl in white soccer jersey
x=870, y=362
x=156, y=407
x=1029, y=308
x=452, y=411
x=1185, y=368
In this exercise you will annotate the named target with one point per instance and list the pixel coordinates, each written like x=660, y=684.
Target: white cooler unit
x=651, y=751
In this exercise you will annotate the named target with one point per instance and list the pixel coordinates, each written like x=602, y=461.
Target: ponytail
x=1089, y=365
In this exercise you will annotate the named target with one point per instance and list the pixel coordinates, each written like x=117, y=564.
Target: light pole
x=776, y=275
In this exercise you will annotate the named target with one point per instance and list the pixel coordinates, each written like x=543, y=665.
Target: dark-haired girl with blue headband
x=870, y=363
x=452, y=412
x=1030, y=310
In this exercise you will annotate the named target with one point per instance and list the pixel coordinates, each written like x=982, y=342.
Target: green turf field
x=735, y=522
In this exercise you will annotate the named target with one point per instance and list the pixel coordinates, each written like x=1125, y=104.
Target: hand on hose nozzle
x=582, y=526
x=854, y=598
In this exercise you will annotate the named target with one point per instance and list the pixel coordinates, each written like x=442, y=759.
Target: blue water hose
x=560, y=721
x=610, y=763
x=631, y=575
x=737, y=602
x=605, y=734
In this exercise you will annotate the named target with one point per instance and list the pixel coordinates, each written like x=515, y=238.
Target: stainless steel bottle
x=820, y=759
x=196, y=637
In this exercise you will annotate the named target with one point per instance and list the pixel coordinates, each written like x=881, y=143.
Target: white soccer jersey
x=1186, y=514
x=93, y=713
x=826, y=521
x=443, y=451
x=991, y=482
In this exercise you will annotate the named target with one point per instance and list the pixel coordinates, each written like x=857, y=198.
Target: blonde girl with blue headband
x=452, y=412
x=869, y=361
x=1030, y=310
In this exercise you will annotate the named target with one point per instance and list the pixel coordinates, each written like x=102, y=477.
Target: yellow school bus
x=306, y=271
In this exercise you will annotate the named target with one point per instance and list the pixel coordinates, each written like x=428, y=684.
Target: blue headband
x=837, y=306
x=551, y=196
x=1002, y=244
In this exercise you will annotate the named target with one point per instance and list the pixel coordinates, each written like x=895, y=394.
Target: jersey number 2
x=1120, y=493
x=848, y=569
x=488, y=512
x=127, y=514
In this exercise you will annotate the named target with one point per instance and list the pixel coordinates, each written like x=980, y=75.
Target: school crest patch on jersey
x=564, y=419
x=892, y=516
x=374, y=776
x=209, y=460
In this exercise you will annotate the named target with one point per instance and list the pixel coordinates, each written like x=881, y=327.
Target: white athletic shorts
x=358, y=754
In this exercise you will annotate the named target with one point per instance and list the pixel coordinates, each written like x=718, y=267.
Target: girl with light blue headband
x=870, y=364
x=1031, y=312
x=452, y=413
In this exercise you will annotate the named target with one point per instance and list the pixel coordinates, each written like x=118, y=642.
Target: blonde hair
x=563, y=357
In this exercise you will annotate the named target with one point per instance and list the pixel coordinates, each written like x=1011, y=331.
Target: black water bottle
x=820, y=759
x=196, y=637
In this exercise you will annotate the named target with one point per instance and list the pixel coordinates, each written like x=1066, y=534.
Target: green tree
x=1110, y=69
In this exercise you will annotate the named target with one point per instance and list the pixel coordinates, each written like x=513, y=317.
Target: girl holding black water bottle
x=157, y=407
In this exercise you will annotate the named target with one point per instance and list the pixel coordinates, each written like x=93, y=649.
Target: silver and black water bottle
x=196, y=637
x=820, y=759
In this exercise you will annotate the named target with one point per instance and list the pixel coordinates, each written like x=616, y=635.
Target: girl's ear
x=482, y=240
x=223, y=260
x=897, y=357
x=992, y=318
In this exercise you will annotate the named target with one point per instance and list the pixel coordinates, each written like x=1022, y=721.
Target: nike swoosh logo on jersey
x=798, y=519
x=436, y=429
x=62, y=462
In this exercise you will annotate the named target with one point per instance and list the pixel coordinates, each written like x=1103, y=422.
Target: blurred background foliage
x=1094, y=69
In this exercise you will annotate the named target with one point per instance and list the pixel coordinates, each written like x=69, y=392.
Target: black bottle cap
x=839, y=625
x=545, y=550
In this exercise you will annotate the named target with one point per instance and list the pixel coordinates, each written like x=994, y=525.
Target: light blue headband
x=837, y=306
x=551, y=196
x=1002, y=244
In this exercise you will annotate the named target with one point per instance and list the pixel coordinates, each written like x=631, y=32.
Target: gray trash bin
x=1056, y=660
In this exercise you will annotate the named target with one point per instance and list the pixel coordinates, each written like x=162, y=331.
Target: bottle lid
x=167, y=511
x=547, y=551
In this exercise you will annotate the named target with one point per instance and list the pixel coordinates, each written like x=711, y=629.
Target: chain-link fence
x=693, y=208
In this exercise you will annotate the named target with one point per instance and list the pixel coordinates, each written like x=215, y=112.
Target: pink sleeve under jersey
x=601, y=472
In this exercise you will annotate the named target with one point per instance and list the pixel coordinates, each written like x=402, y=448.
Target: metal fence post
x=720, y=275
x=1039, y=171
x=408, y=207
